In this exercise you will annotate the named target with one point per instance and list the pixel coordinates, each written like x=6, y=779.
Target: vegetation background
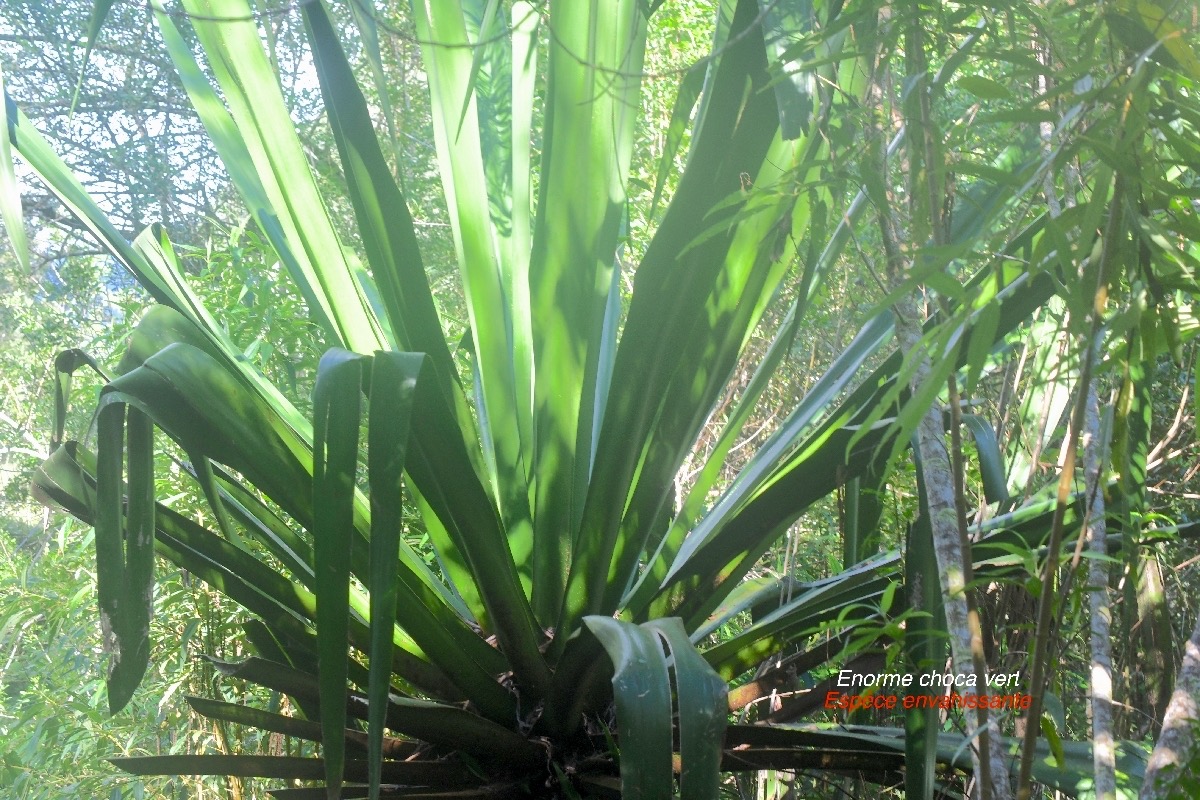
x=1038, y=110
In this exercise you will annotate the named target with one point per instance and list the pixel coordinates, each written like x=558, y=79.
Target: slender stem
x=1066, y=480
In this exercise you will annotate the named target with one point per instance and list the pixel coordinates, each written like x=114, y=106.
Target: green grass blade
x=642, y=688
x=337, y=411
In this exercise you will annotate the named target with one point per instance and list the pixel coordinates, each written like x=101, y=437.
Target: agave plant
x=560, y=641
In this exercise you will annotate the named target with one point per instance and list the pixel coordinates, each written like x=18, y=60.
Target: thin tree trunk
x=990, y=766
x=925, y=170
x=1104, y=757
x=1176, y=752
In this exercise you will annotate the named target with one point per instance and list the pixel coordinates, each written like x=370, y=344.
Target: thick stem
x=1176, y=751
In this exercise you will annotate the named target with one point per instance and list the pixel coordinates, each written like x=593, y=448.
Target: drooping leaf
x=393, y=384
x=337, y=411
x=125, y=550
x=642, y=688
x=422, y=773
x=437, y=723
x=702, y=705
x=991, y=460
x=10, y=192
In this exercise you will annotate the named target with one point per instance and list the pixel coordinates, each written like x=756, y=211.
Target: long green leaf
x=419, y=773
x=442, y=27
x=670, y=293
x=337, y=412
x=595, y=64
x=642, y=688
x=292, y=726
x=393, y=384
x=112, y=586
x=380, y=210
x=65, y=364
x=264, y=132
x=476, y=536
x=100, y=10
x=436, y=723
x=991, y=460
